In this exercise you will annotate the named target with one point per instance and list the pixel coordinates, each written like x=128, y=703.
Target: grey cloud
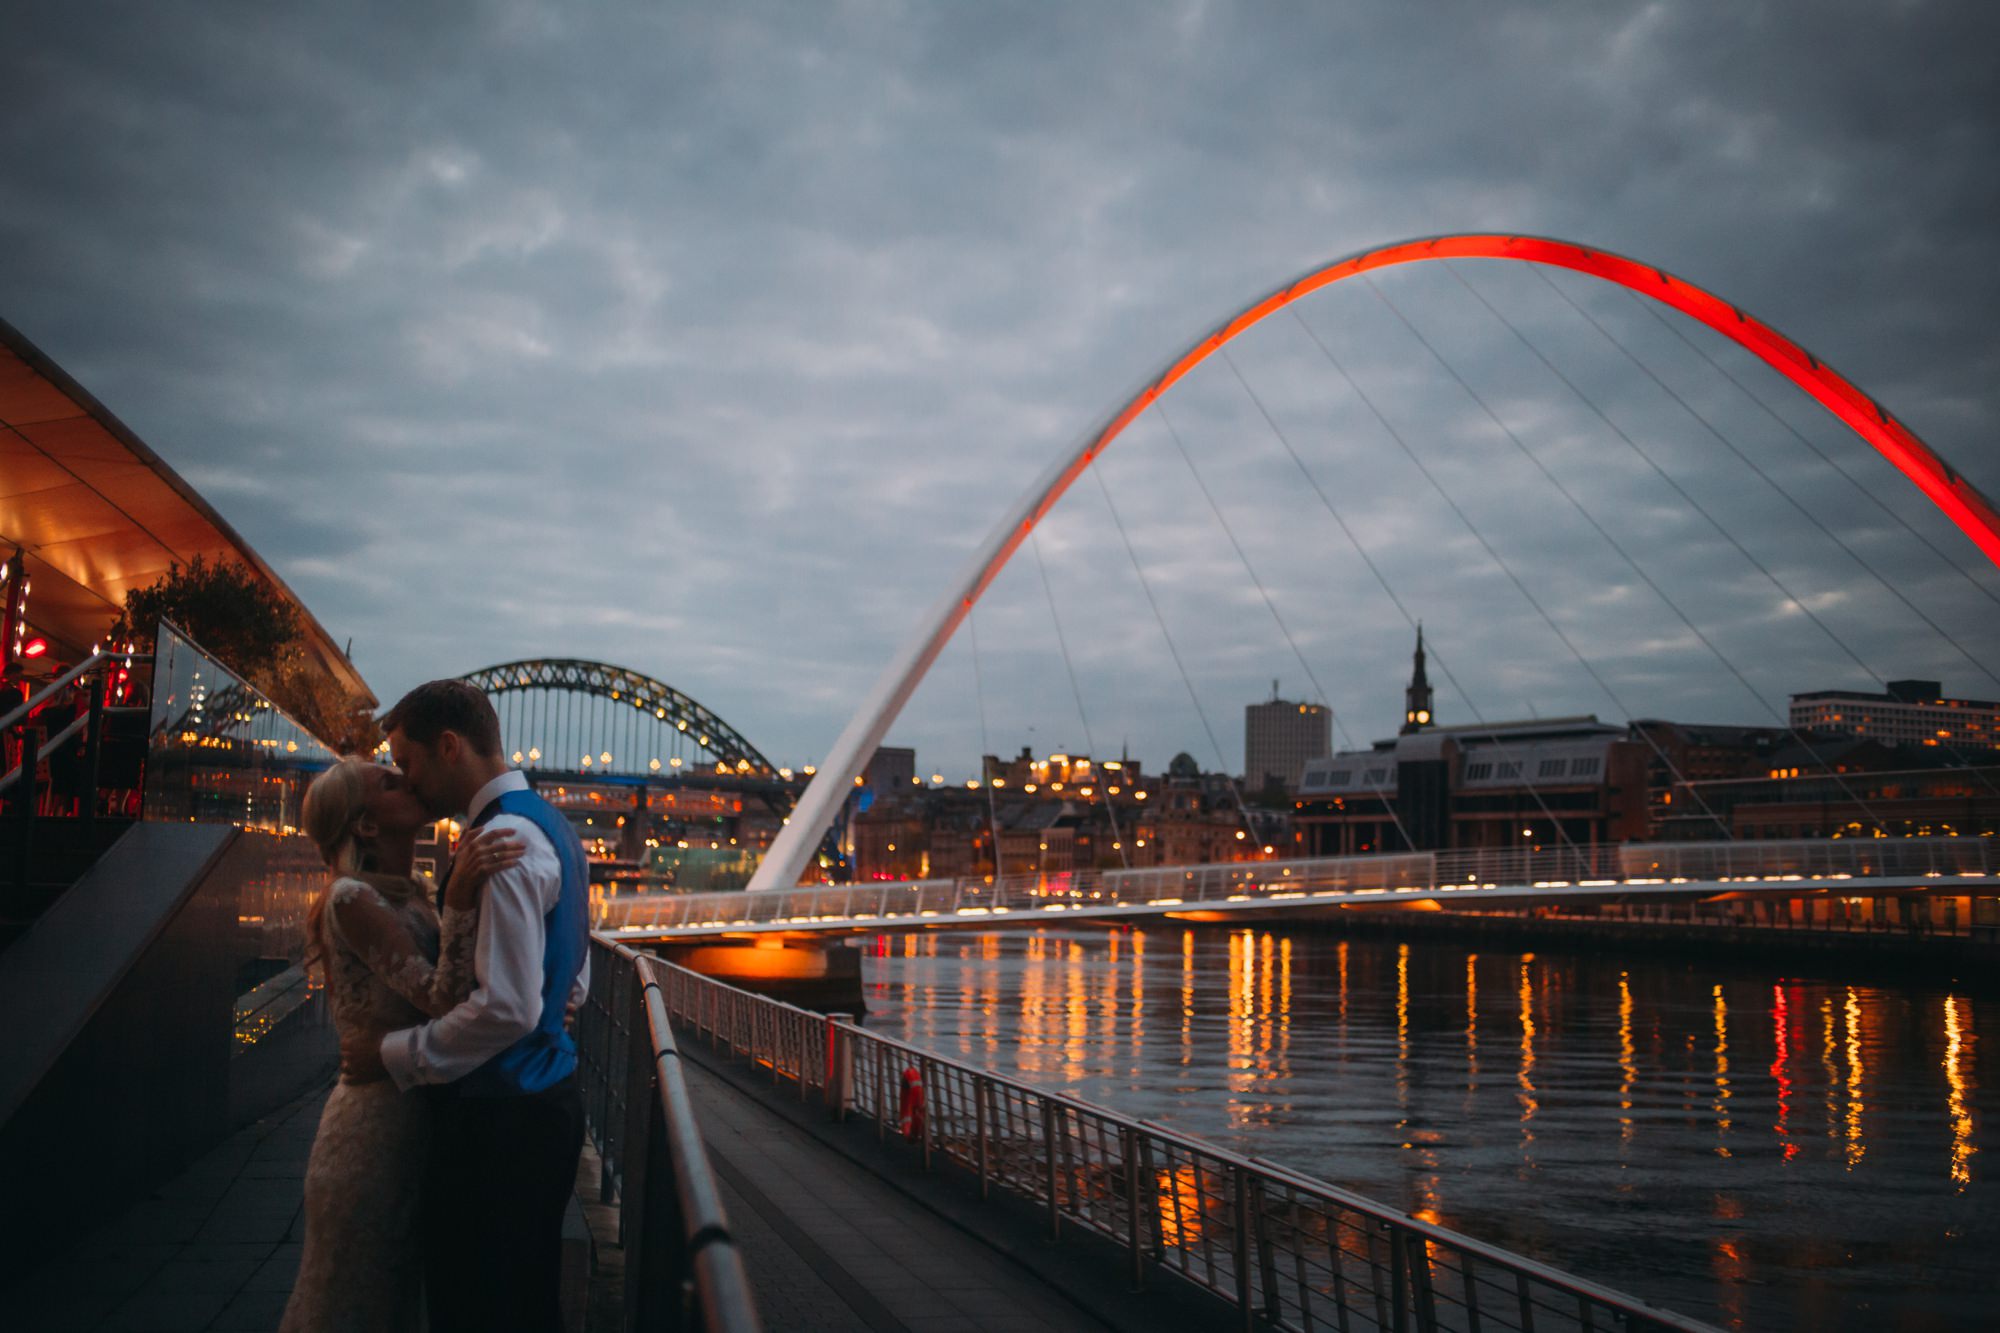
x=710, y=342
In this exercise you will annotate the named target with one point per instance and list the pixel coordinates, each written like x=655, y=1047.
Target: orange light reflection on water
x=1855, y=1148
x=1628, y=1067
x=1722, y=1094
x=1472, y=1022
x=1241, y=1076
x=1781, y=1057
x=1527, y=1097
x=1340, y=956
x=1403, y=1036
x=1076, y=1013
x=1956, y=1065
x=1138, y=1029
x=1187, y=998
x=1285, y=1007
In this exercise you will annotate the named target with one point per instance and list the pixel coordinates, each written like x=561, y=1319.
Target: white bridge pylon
x=1962, y=502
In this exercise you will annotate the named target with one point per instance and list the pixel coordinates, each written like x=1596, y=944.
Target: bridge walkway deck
x=832, y=1246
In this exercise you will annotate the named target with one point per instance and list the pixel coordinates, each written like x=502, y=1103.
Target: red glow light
x=34, y=647
x=1960, y=500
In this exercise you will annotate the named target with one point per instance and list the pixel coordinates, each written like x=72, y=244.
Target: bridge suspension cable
x=1962, y=503
x=1194, y=696
x=1772, y=484
x=1312, y=678
x=1555, y=482
x=1762, y=475
x=1646, y=456
x=1076, y=692
x=1396, y=435
x=985, y=745
x=1784, y=423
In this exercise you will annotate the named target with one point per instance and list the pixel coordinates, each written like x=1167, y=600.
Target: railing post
x=882, y=1112
x=92, y=745
x=1049, y=1167
x=24, y=806
x=1399, y=1279
x=1239, y=1186
x=982, y=1098
x=1267, y=1258
x=1155, y=1231
x=1129, y=1144
x=931, y=1104
x=1420, y=1283
x=839, y=1090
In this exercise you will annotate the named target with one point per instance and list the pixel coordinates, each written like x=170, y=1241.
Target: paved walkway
x=830, y=1247
x=216, y=1248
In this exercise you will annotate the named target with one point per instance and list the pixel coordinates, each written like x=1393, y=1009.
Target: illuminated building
x=1064, y=774
x=1546, y=782
x=1821, y=786
x=1910, y=712
x=1510, y=784
x=1054, y=815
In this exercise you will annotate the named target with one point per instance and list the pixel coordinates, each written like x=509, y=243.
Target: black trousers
x=500, y=1175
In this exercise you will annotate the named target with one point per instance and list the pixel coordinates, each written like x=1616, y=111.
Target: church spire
x=1417, y=698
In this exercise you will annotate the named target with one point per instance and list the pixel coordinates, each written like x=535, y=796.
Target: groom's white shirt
x=506, y=1003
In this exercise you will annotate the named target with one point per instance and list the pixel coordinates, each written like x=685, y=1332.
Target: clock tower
x=1417, y=698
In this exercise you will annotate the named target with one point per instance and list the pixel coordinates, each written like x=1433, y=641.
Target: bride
x=374, y=934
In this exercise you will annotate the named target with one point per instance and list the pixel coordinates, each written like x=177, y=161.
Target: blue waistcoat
x=547, y=1055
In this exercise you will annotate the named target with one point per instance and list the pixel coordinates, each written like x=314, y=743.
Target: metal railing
x=23, y=729
x=1285, y=1250
x=682, y=1267
x=1406, y=873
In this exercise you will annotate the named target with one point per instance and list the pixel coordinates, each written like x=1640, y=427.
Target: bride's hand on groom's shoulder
x=484, y=853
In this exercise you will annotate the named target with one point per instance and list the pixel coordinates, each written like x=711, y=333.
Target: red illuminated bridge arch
x=1961, y=502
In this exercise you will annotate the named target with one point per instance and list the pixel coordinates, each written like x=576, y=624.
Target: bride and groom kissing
x=448, y=1149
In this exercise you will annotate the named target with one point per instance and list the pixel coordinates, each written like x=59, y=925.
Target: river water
x=1751, y=1146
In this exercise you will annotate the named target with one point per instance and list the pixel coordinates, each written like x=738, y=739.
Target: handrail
x=1287, y=1250
x=34, y=701
x=1425, y=874
x=683, y=1269
x=76, y=724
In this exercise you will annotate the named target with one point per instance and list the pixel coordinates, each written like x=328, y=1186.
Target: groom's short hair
x=438, y=706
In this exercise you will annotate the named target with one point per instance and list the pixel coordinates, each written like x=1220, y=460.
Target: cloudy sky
x=707, y=340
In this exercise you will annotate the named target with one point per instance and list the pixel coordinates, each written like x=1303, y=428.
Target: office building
x=1280, y=737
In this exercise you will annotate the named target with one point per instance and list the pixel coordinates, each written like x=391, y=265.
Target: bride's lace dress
x=362, y=1268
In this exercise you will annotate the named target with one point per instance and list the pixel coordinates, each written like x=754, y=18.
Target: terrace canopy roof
x=98, y=513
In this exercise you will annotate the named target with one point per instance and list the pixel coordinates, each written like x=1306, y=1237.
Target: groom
x=500, y=1069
